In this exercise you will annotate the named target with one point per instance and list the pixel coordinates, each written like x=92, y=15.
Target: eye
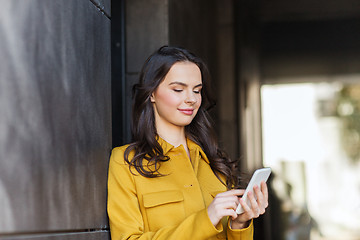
x=197, y=91
x=178, y=90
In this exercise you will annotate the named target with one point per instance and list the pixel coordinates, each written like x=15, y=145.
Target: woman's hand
x=225, y=204
x=256, y=209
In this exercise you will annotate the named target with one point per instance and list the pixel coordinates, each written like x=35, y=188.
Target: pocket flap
x=159, y=198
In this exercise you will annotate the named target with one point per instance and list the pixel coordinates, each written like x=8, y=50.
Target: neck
x=173, y=135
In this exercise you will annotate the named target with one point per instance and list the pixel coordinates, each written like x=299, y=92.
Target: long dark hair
x=148, y=154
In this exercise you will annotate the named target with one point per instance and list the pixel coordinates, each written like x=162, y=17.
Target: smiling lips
x=188, y=111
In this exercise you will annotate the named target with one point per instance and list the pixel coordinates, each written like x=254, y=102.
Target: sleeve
x=125, y=217
x=243, y=234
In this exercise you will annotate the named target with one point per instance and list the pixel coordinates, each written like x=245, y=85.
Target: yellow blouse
x=173, y=206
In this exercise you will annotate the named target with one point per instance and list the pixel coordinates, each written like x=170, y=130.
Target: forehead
x=187, y=72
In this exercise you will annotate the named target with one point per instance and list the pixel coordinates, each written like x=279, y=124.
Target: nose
x=191, y=98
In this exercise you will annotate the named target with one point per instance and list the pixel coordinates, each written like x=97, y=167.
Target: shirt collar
x=164, y=144
x=167, y=147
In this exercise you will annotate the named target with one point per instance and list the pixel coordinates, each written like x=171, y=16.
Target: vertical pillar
x=248, y=80
x=227, y=93
x=248, y=83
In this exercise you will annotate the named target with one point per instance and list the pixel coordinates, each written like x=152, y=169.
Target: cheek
x=199, y=101
x=167, y=99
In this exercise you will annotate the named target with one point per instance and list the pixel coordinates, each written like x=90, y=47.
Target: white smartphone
x=259, y=175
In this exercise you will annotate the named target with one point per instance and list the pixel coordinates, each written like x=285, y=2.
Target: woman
x=173, y=181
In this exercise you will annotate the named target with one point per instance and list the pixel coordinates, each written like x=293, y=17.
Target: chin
x=183, y=124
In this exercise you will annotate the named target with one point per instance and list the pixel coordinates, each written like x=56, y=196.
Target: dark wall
x=312, y=47
x=139, y=28
x=148, y=25
x=192, y=24
x=55, y=121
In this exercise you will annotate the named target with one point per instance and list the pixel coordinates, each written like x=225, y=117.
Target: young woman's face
x=178, y=97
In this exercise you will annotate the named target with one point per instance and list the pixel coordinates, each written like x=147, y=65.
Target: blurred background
x=286, y=75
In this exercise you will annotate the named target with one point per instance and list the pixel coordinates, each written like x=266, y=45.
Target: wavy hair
x=148, y=154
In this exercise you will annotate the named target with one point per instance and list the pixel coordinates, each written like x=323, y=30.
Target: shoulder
x=117, y=154
x=117, y=165
x=120, y=149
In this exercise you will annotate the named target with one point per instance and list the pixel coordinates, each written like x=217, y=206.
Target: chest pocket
x=164, y=208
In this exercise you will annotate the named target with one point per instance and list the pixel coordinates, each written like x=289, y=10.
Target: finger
x=235, y=204
x=231, y=204
x=225, y=196
x=223, y=199
x=233, y=192
x=246, y=209
x=231, y=213
x=227, y=205
x=264, y=190
x=226, y=209
x=254, y=205
x=262, y=204
x=259, y=195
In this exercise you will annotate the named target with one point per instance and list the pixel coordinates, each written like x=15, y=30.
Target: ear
x=152, y=98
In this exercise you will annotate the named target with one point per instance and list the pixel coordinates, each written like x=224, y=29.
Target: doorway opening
x=311, y=140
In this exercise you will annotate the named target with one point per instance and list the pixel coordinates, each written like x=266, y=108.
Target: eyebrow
x=184, y=84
